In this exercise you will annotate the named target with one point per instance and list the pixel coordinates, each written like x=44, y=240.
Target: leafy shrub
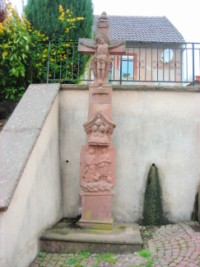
x=24, y=52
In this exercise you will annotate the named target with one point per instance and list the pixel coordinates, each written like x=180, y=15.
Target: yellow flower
x=1, y=28
x=5, y=53
x=67, y=30
x=60, y=8
x=80, y=18
x=61, y=18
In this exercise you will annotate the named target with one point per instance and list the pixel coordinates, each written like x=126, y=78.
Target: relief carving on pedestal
x=99, y=130
x=97, y=169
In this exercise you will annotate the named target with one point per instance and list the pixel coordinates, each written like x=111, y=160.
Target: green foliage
x=81, y=8
x=78, y=260
x=24, y=53
x=149, y=259
x=12, y=94
x=145, y=254
x=106, y=257
x=153, y=210
x=14, y=51
x=42, y=256
x=147, y=233
x=43, y=16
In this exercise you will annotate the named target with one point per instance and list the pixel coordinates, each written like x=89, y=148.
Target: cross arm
x=86, y=46
x=117, y=48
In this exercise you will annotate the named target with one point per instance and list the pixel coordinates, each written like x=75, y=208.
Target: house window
x=127, y=67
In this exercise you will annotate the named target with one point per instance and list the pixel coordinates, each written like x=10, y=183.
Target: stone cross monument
x=98, y=155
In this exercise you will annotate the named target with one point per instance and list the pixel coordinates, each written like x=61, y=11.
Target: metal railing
x=144, y=63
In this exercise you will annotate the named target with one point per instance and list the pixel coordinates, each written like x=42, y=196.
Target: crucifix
x=101, y=48
x=98, y=155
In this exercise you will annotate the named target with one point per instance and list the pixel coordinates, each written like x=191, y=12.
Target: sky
x=184, y=15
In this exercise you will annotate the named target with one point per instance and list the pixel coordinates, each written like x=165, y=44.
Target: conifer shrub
x=153, y=208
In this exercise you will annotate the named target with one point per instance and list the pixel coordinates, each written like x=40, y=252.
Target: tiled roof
x=142, y=29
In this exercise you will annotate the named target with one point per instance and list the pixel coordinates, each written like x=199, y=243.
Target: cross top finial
x=104, y=15
x=103, y=27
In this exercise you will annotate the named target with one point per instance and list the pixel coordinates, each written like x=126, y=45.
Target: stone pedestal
x=97, y=210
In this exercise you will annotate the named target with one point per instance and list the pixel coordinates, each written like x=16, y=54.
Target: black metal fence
x=155, y=63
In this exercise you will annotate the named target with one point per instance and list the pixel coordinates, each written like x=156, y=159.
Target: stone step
x=62, y=238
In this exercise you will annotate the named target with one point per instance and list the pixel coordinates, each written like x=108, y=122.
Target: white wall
x=158, y=126
x=73, y=113
x=36, y=203
x=161, y=128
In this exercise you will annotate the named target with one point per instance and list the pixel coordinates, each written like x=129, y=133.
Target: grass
x=80, y=259
x=42, y=256
x=147, y=255
x=106, y=257
x=77, y=260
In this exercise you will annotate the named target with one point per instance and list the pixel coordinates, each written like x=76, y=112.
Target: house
x=154, y=50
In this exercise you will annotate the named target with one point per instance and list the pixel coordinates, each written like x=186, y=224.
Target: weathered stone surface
x=15, y=149
x=122, y=238
x=33, y=108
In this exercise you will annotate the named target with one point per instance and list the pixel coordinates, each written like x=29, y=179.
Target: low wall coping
x=136, y=87
x=20, y=134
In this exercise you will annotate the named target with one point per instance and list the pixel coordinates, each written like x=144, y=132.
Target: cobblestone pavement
x=175, y=245
x=170, y=245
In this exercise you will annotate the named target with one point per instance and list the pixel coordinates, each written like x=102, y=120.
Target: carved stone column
x=98, y=155
x=98, y=160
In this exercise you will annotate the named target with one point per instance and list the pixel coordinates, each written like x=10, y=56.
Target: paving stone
x=171, y=245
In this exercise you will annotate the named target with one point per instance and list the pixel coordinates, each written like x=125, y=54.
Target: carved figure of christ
x=100, y=62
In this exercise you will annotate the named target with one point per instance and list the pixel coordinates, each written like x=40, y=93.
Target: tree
x=81, y=8
x=24, y=54
x=43, y=16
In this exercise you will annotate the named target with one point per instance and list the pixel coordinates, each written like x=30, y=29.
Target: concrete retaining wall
x=154, y=125
x=30, y=193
